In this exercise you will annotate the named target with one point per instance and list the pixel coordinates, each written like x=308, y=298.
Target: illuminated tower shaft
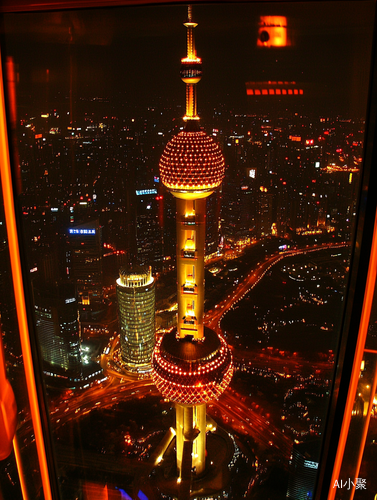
x=191, y=232
x=190, y=266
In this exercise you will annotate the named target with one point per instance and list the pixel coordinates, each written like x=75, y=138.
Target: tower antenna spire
x=191, y=69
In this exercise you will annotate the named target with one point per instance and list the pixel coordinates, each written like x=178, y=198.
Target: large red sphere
x=192, y=161
x=192, y=372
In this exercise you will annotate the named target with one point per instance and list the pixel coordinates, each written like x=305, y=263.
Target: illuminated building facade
x=148, y=228
x=84, y=261
x=57, y=326
x=192, y=365
x=136, y=312
x=303, y=466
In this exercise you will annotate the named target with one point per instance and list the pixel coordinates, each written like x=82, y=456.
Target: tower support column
x=199, y=448
x=191, y=233
x=191, y=429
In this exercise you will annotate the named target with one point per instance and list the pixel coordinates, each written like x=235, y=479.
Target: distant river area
x=297, y=306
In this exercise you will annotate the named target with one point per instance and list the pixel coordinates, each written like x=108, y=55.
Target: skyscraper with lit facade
x=192, y=365
x=136, y=310
x=84, y=261
x=56, y=315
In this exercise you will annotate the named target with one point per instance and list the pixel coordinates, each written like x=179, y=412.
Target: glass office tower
x=58, y=327
x=136, y=310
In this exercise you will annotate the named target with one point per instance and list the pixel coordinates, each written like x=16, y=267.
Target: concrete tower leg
x=179, y=421
x=191, y=429
x=199, y=447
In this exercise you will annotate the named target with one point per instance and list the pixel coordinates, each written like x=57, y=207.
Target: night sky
x=134, y=53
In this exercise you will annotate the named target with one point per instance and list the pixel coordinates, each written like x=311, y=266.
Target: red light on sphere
x=192, y=161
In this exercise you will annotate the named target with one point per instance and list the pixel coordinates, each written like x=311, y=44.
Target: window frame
x=359, y=294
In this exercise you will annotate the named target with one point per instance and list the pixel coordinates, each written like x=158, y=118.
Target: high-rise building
x=192, y=365
x=84, y=261
x=303, y=468
x=57, y=325
x=136, y=311
x=149, y=232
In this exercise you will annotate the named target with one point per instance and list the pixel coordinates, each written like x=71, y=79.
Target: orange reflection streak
x=365, y=432
x=363, y=330
x=10, y=219
x=11, y=84
x=21, y=475
x=8, y=409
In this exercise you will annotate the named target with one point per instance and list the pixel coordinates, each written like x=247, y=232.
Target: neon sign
x=82, y=231
x=146, y=191
x=310, y=464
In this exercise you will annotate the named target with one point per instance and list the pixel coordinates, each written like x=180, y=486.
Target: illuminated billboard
x=143, y=192
x=82, y=231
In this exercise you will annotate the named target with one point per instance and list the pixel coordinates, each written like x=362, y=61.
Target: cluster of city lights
x=192, y=161
x=194, y=382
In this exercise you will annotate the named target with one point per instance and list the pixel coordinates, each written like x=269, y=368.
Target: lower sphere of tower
x=192, y=372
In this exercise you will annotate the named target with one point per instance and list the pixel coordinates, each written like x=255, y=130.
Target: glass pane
x=113, y=216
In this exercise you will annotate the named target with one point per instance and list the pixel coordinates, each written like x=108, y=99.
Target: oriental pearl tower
x=192, y=365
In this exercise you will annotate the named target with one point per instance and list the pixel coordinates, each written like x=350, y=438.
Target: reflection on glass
x=19, y=472
x=356, y=478
x=97, y=98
